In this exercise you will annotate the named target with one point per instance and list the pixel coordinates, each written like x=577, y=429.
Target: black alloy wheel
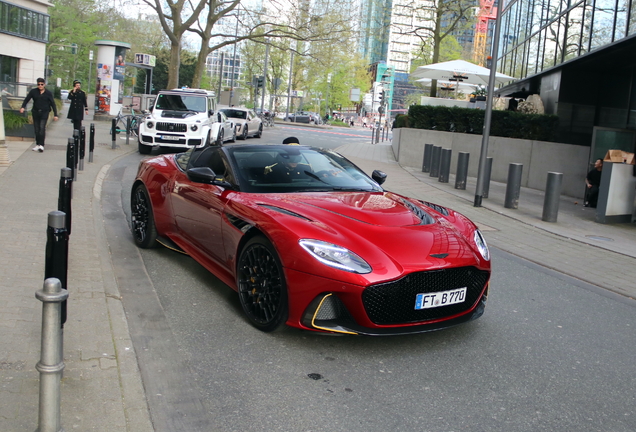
x=142, y=219
x=261, y=285
x=244, y=134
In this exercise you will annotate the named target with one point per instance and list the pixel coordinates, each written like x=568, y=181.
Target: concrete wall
x=538, y=157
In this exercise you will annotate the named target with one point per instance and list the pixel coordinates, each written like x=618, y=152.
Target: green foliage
x=402, y=121
x=13, y=120
x=541, y=127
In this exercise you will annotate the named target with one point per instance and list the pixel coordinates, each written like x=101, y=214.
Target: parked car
x=182, y=118
x=309, y=240
x=246, y=121
x=64, y=95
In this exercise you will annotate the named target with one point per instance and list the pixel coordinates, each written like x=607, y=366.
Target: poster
x=103, y=88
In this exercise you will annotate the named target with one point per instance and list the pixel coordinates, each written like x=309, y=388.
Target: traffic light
x=260, y=81
x=73, y=48
x=381, y=96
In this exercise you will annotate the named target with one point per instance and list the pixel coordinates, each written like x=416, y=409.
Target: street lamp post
x=479, y=190
x=234, y=56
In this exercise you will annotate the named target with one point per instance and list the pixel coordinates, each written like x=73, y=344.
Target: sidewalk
x=101, y=385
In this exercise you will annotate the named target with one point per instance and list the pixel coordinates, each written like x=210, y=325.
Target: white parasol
x=459, y=70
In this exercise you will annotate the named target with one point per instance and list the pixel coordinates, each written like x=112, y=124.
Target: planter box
x=26, y=131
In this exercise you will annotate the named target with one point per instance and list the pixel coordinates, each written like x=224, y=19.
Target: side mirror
x=378, y=176
x=151, y=108
x=210, y=113
x=207, y=176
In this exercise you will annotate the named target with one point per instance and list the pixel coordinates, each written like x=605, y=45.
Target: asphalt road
x=550, y=353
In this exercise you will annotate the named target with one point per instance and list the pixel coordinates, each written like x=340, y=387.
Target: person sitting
x=288, y=167
x=593, y=182
x=291, y=141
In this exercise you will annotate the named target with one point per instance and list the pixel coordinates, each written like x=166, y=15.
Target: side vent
x=425, y=218
x=437, y=208
x=283, y=211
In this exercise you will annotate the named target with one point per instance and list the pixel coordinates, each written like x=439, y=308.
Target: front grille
x=172, y=127
x=394, y=302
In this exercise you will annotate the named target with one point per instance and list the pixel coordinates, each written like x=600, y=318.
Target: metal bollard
x=65, y=195
x=91, y=143
x=444, y=165
x=552, y=197
x=127, y=130
x=513, y=187
x=82, y=148
x=75, y=152
x=435, y=157
x=113, y=133
x=377, y=135
x=56, y=255
x=428, y=152
x=70, y=156
x=462, y=170
x=51, y=364
x=487, y=172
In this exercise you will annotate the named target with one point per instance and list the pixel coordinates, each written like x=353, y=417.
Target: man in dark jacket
x=78, y=107
x=593, y=182
x=43, y=103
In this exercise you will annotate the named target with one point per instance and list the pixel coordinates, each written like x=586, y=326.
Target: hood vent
x=425, y=218
x=437, y=208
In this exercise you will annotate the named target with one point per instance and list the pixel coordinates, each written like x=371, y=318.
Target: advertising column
x=111, y=68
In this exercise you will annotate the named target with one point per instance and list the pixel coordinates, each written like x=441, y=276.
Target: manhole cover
x=601, y=238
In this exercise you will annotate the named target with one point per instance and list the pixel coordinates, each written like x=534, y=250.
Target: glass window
x=587, y=26
x=632, y=18
x=621, y=21
x=573, y=38
x=23, y=22
x=603, y=24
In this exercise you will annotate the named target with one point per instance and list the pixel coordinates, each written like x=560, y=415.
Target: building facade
x=24, y=33
x=230, y=65
x=578, y=55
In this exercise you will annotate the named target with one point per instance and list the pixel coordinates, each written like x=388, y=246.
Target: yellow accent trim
x=171, y=248
x=313, y=320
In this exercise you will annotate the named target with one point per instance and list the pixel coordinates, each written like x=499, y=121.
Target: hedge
x=510, y=124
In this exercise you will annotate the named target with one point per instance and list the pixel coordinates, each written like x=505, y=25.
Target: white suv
x=182, y=118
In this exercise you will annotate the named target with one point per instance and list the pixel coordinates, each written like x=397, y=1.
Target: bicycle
x=122, y=122
x=268, y=120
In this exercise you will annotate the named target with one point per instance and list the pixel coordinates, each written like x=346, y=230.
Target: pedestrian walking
x=43, y=103
x=78, y=107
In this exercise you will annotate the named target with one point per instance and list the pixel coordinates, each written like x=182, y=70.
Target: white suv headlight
x=335, y=256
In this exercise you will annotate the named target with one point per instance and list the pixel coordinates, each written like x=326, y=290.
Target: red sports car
x=309, y=240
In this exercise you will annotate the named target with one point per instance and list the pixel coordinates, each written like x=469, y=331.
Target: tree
x=437, y=21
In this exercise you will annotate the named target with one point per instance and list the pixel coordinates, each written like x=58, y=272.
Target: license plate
x=441, y=298
x=170, y=137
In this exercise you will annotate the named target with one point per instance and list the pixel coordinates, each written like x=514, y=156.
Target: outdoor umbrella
x=452, y=86
x=460, y=70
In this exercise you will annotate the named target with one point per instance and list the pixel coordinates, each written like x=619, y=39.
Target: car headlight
x=335, y=256
x=194, y=127
x=149, y=124
x=480, y=241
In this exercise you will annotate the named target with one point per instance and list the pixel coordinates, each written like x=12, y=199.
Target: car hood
x=374, y=225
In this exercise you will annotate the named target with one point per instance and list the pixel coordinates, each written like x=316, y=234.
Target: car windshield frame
x=181, y=102
x=270, y=169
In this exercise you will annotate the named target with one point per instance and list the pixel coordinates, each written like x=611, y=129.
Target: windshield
x=181, y=103
x=235, y=113
x=297, y=169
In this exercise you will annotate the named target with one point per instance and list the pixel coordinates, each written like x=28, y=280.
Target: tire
x=244, y=134
x=142, y=218
x=233, y=135
x=260, y=131
x=143, y=148
x=261, y=285
x=219, y=140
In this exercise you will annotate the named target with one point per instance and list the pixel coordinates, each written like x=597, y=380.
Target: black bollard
x=113, y=133
x=487, y=172
x=428, y=152
x=75, y=152
x=435, y=157
x=56, y=255
x=65, y=195
x=444, y=165
x=552, y=197
x=128, y=130
x=91, y=143
x=513, y=188
x=462, y=170
x=70, y=156
x=82, y=148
